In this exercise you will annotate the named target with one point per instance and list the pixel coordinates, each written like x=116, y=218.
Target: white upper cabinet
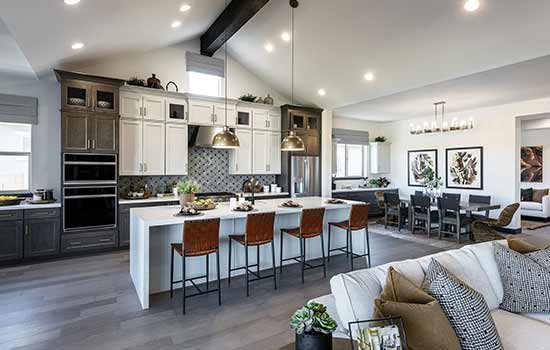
x=274, y=166
x=131, y=147
x=130, y=105
x=266, y=152
x=264, y=119
x=153, y=148
x=240, y=159
x=176, y=149
x=274, y=120
x=201, y=112
x=219, y=114
x=380, y=157
x=153, y=107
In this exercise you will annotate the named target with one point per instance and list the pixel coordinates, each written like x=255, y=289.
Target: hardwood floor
x=90, y=303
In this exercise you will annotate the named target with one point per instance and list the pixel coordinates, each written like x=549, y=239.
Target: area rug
x=419, y=237
x=533, y=225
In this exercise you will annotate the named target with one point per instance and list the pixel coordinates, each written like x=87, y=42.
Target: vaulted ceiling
x=410, y=46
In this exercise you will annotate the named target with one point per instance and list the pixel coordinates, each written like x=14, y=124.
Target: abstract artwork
x=465, y=168
x=531, y=163
x=422, y=167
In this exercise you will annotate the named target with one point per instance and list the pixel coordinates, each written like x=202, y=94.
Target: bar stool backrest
x=479, y=199
x=421, y=203
x=201, y=237
x=359, y=216
x=311, y=223
x=259, y=228
x=392, y=199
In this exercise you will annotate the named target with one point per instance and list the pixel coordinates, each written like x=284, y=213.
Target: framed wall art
x=422, y=167
x=464, y=168
x=532, y=163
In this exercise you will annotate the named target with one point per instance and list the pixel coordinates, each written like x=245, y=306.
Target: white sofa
x=353, y=294
x=536, y=209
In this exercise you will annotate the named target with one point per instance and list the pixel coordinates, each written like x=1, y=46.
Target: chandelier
x=444, y=126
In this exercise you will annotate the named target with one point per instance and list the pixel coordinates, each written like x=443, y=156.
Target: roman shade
x=18, y=109
x=350, y=137
x=204, y=64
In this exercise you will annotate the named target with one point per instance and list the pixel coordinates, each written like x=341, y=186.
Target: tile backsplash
x=207, y=166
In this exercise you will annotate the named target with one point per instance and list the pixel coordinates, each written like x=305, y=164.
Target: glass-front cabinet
x=176, y=111
x=303, y=121
x=90, y=97
x=244, y=118
x=104, y=98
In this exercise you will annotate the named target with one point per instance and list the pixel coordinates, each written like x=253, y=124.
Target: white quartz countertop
x=362, y=189
x=24, y=206
x=153, y=200
x=165, y=215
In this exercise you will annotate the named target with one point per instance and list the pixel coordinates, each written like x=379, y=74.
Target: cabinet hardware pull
x=141, y=111
x=105, y=240
x=145, y=167
x=145, y=111
x=93, y=144
x=27, y=230
x=75, y=243
x=140, y=167
x=6, y=216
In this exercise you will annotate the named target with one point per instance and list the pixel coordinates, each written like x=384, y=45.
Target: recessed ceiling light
x=321, y=92
x=269, y=47
x=175, y=24
x=77, y=46
x=185, y=8
x=72, y=2
x=471, y=5
x=369, y=76
x=285, y=36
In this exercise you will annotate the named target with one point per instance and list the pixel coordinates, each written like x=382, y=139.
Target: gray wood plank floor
x=90, y=303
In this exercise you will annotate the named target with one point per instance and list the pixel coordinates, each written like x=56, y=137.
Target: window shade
x=18, y=109
x=204, y=64
x=350, y=137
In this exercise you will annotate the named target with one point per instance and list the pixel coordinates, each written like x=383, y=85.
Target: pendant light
x=292, y=142
x=225, y=139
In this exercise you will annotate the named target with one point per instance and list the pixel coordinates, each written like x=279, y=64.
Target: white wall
x=539, y=137
x=46, y=135
x=169, y=64
x=496, y=130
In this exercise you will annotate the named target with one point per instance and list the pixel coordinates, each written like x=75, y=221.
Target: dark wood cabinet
x=11, y=240
x=104, y=133
x=365, y=196
x=87, y=241
x=41, y=237
x=83, y=132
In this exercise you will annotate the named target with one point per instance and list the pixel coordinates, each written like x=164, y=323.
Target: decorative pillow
x=521, y=246
x=527, y=195
x=538, y=194
x=525, y=281
x=426, y=325
x=465, y=308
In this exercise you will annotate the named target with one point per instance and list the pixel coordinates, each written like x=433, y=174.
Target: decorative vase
x=154, y=83
x=313, y=341
x=186, y=198
x=259, y=100
x=268, y=100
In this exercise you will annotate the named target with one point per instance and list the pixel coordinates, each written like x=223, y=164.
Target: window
x=15, y=157
x=351, y=160
x=205, y=84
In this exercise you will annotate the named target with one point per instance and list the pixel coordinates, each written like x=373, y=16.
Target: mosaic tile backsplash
x=207, y=166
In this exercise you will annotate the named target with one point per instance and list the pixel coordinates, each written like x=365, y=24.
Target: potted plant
x=313, y=327
x=248, y=98
x=434, y=186
x=186, y=191
x=135, y=81
x=381, y=182
x=380, y=139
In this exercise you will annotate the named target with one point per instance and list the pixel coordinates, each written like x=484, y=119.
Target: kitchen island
x=152, y=230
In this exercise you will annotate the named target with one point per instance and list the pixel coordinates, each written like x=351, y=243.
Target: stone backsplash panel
x=207, y=166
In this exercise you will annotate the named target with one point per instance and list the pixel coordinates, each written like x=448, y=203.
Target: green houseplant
x=380, y=139
x=313, y=326
x=135, y=81
x=248, y=98
x=186, y=191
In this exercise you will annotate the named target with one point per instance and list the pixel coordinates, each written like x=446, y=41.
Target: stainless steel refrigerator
x=305, y=176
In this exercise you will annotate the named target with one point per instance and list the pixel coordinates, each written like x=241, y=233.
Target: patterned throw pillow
x=465, y=308
x=525, y=279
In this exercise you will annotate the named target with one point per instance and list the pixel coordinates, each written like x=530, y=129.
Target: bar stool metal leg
x=229, y=265
x=329, y=234
x=207, y=271
x=183, y=281
x=350, y=249
x=171, y=272
x=219, y=279
x=323, y=255
x=246, y=268
x=281, y=256
x=274, y=267
x=303, y=256
x=258, y=260
x=368, y=245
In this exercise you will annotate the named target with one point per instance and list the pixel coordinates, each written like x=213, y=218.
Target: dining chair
x=451, y=195
x=480, y=199
x=421, y=212
x=449, y=215
x=394, y=208
x=419, y=193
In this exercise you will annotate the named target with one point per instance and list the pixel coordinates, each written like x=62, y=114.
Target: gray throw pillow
x=465, y=308
x=525, y=279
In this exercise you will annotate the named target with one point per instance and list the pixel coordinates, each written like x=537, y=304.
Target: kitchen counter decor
x=9, y=200
x=291, y=204
x=313, y=326
x=203, y=204
x=186, y=191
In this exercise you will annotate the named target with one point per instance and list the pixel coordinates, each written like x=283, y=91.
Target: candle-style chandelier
x=435, y=126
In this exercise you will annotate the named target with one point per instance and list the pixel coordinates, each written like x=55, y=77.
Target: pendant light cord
x=225, y=71
x=292, y=38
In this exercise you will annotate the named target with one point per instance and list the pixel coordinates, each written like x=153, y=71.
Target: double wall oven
x=90, y=194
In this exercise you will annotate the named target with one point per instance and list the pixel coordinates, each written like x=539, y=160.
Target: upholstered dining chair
x=451, y=221
x=486, y=229
x=393, y=208
x=422, y=214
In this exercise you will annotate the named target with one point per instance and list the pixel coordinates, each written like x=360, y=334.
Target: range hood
x=202, y=136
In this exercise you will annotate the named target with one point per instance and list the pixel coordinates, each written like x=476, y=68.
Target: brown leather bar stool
x=258, y=232
x=358, y=221
x=200, y=238
x=311, y=226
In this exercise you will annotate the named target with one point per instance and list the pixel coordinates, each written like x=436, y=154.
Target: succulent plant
x=313, y=317
x=188, y=187
x=248, y=98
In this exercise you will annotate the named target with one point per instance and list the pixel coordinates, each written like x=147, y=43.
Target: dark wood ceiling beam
x=233, y=17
